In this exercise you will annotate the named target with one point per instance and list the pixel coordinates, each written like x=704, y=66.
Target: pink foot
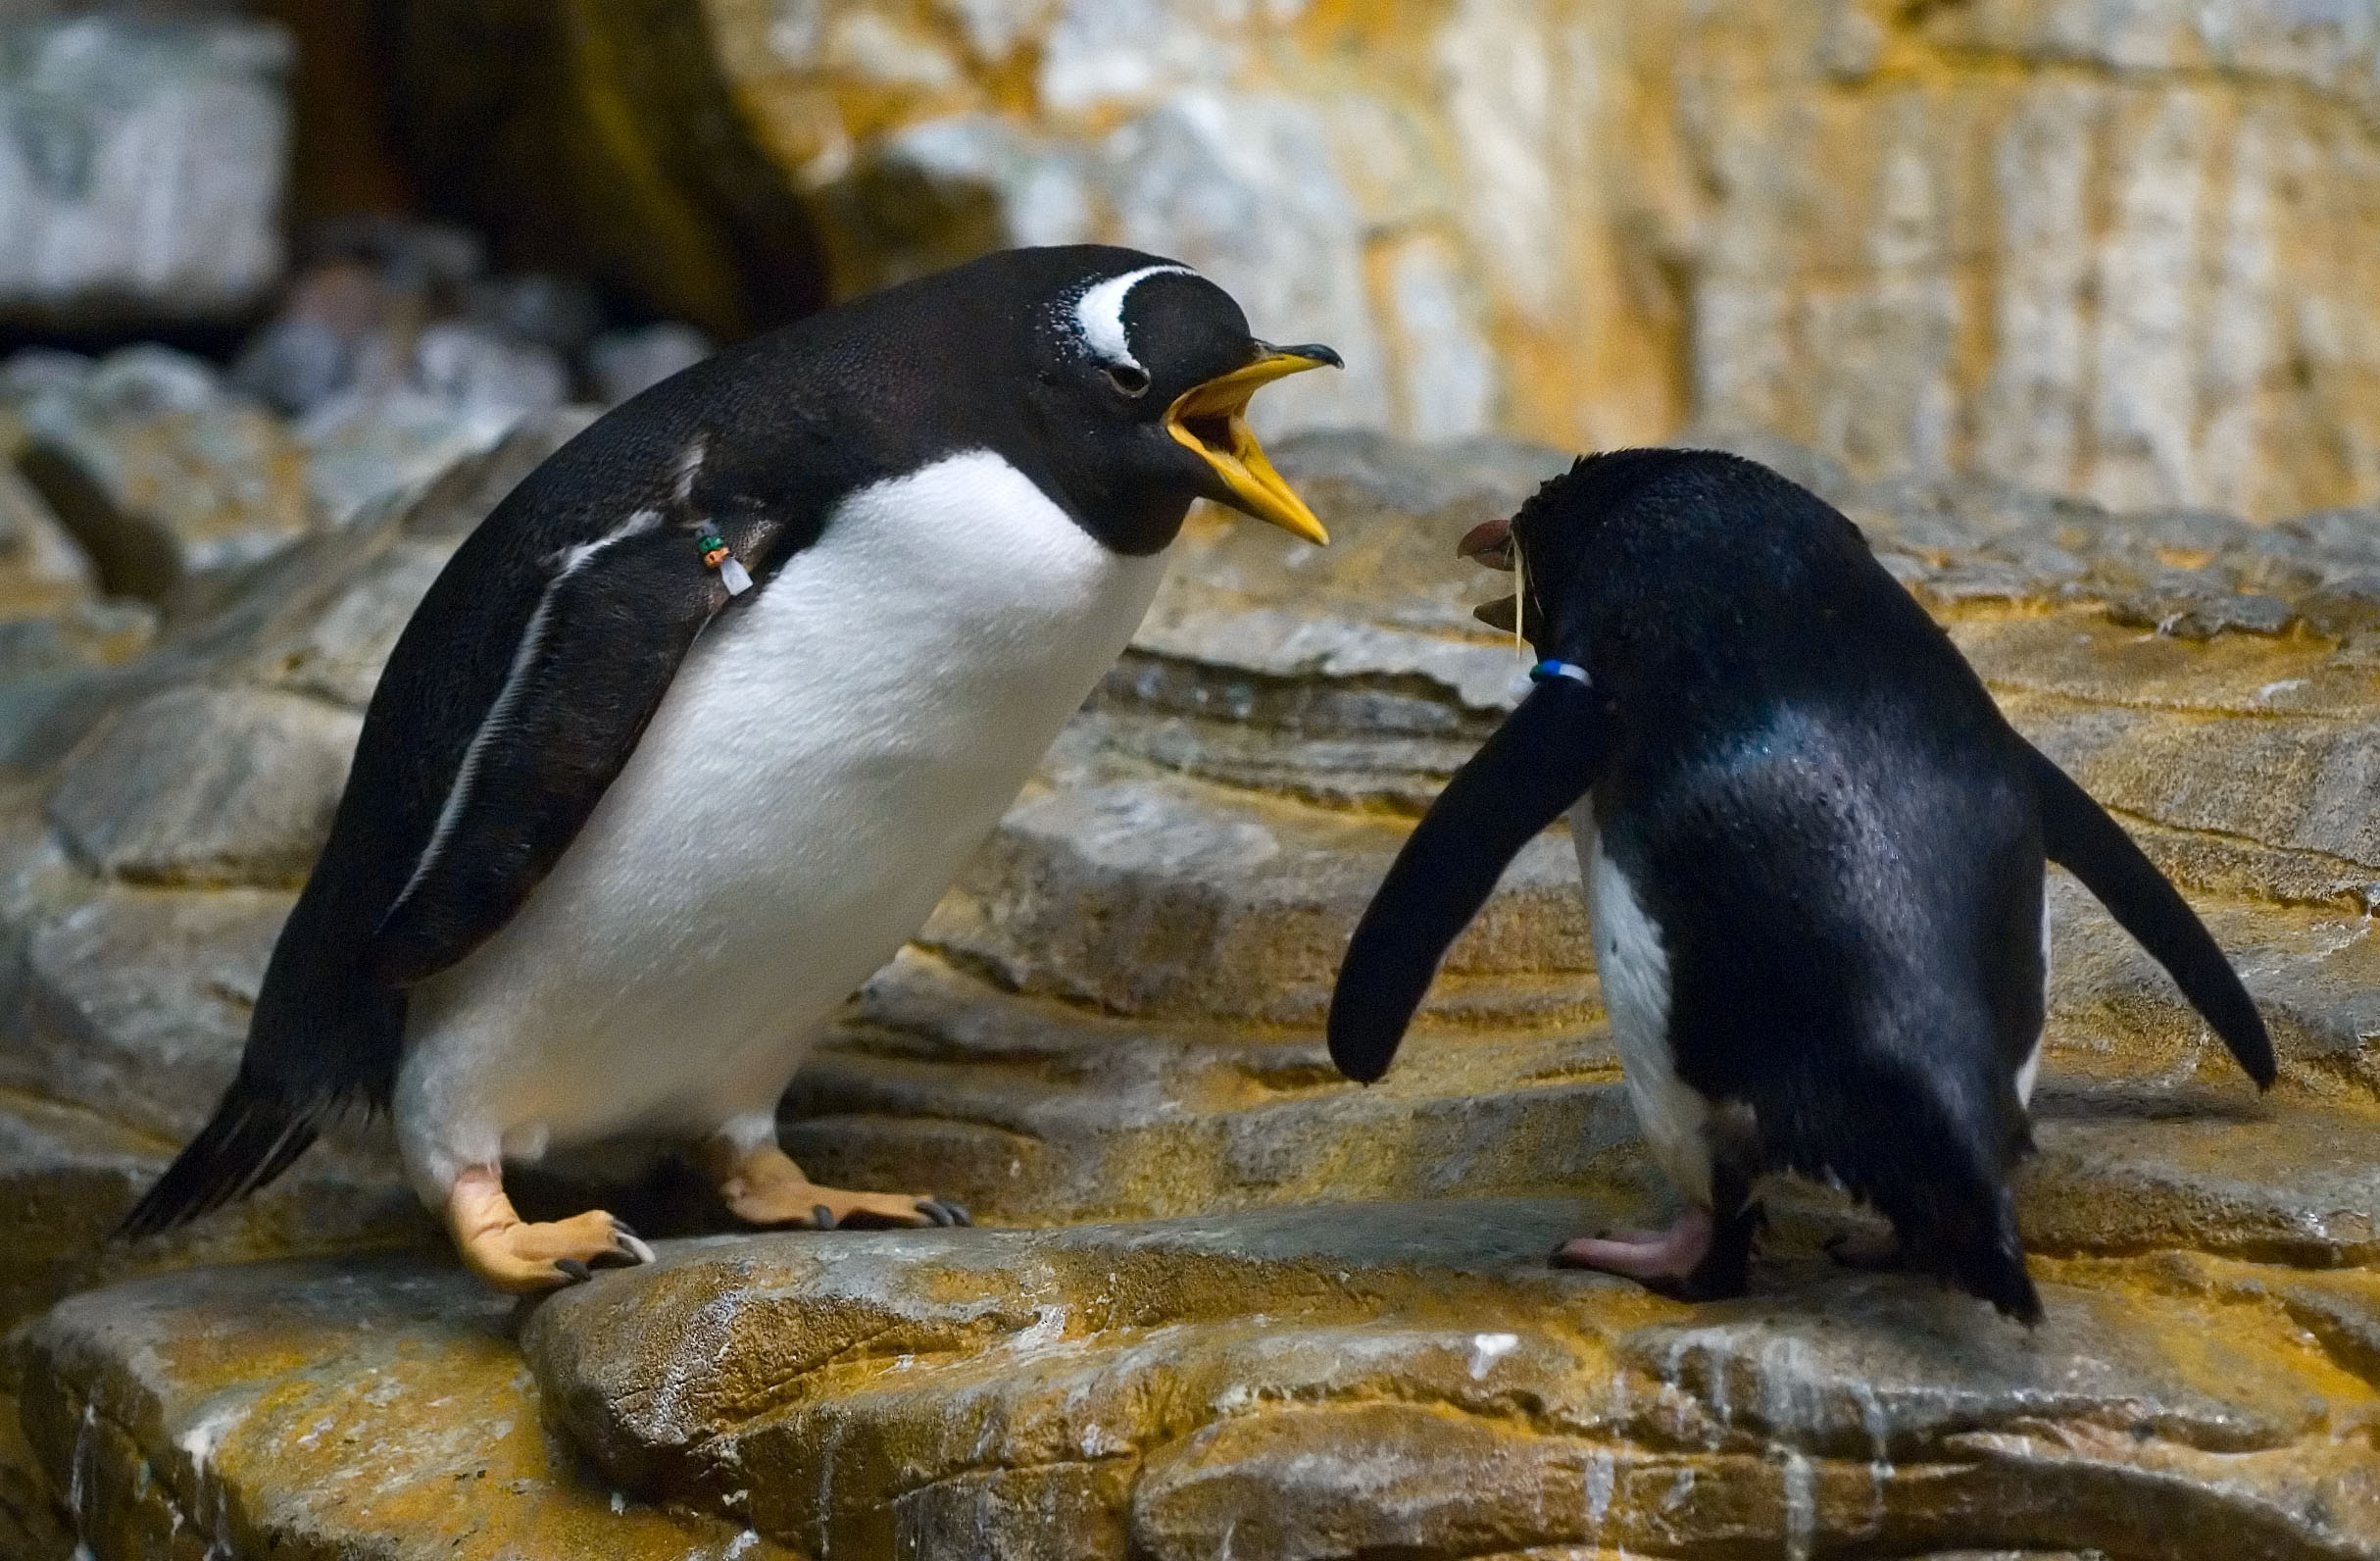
x=1645, y=1256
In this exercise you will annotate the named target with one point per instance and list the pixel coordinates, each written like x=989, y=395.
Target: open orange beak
x=1212, y=419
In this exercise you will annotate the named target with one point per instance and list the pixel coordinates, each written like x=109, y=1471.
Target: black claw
x=821, y=1216
x=624, y=1227
x=575, y=1272
x=958, y=1213
x=613, y=1257
x=933, y=1210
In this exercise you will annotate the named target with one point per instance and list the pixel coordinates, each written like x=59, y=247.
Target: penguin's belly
x=822, y=766
x=1633, y=963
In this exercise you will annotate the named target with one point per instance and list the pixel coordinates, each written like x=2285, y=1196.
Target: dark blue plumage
x=1816, y=854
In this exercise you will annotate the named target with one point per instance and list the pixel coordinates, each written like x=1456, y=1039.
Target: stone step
x=1323, y=1380
x=68, y=1175
x=1137, y=892
x=367, y=1407
x=1032, y=1113
x=1410, y=1378
x=1286, y=1382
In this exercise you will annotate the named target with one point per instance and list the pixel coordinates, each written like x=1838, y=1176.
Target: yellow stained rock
x=2108, y=252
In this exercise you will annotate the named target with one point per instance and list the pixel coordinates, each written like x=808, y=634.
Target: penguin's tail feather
x=1964, y=1218
x=254, y=1135
x=1537, y=764
x=2079, y=836
x=325, y=1040
x=1940, y=1174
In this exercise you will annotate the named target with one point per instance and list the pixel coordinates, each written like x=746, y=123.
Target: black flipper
x=591, y=669
x=2080, y=837
x=1942, y=1180
x=1539, y=761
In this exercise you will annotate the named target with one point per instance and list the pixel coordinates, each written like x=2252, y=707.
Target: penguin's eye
x=1129, y=378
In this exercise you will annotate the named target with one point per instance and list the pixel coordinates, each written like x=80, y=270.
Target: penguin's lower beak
x=1211, y=421
x=1490, y=543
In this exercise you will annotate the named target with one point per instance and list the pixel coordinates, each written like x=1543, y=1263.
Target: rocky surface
x=2111, y=250
x=1410, y=1379
x=1267, y=1312
x=357, y=1408
x=141, y=176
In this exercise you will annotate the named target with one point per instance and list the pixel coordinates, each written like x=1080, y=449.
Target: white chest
x=907, y=672
x=827, y=757
x=1633, y=965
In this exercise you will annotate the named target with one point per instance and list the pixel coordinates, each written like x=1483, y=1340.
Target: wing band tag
x=1560, y=669
x=717, y=555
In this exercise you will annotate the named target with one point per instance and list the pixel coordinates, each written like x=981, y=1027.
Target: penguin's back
x=1815, y=802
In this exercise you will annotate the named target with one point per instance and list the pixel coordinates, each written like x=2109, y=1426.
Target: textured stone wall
x=140, y=168
x=1454, y=197
x=2117, y=249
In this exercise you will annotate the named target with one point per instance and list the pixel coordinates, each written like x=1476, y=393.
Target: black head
x=1537, y=544
x=1136, y=376
x=1548, y=541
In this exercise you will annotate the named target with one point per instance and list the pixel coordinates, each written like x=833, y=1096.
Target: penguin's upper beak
x=1491, y=543
x=1212, y=419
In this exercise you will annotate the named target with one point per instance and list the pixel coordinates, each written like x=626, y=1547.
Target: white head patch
x=1099, y=314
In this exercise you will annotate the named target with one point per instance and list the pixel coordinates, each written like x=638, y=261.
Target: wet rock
x=363, y=446
x=397, y=358
x=27, y=373
x=489, y=377
x=462, y=494
x=206, y=786
x=337, y=653
x=557, y=313
x=89, y=634
x=1351, y=674
x=68, y=1175
x=419, y=405
x=1386, y=601
x=164, y=476
x=1028, y=1111
x=358, y=1408
x=143, y=176
x=1234, y=1375
x=2204, y=1172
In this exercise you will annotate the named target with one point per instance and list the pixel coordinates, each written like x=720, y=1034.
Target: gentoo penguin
x=690, y=735
x=1812, y=852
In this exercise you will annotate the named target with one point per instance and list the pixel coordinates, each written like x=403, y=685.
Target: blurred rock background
x=2074, y=305
x=2124, y=251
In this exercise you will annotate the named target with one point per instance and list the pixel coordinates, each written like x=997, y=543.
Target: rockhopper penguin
x=1812, y=852
x=693, y=731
